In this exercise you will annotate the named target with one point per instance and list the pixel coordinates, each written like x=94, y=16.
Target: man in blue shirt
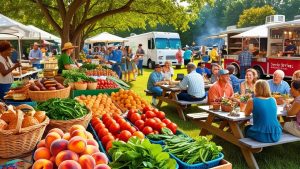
x=117, y=57
x=35, y=55
x=187, y=56
x=245, y=59
x=277, y=84
x=204, y=71
x=234, y=81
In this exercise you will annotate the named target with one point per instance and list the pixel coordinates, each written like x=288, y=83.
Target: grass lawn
x=282, y=156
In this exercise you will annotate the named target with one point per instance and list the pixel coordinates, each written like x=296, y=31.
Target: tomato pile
x=112, y=128
x=106, y=84
x=151, y=121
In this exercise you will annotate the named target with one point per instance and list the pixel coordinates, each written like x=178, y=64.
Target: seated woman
x=248, y=85
x=167, y=71
x=266, y=127
x=293, y=127
x=296, y=75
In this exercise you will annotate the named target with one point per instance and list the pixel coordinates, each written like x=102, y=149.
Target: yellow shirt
x=214, y=55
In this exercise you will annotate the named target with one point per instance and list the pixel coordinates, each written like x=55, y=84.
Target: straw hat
x=68, y=45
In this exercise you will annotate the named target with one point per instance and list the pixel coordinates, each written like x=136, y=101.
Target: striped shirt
x=194, y=84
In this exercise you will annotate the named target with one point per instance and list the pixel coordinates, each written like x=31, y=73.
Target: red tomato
x=106, y=139
x=157, y=119
x=109, y=121
x=134, y=117
x=172, y=127
x=138, y=134
x=109, y=145
x=166, y=121
x=155, y=110
x=146, y=108
x=147, y=130
x=117, y=116
x=102, y=132
x=125, y=126
x=141, y=126
x=161, y=125
x=160, y=115
x=120, y=121
x=99, y=126
x=139, y=122
x=143, y=117
x=94, y=121
x=132, y=130
x=155, y=132
x=150, y=122
x=150, y=114
x=125, y=135
x=104, y=116
x=114, y=128
x=130, y=112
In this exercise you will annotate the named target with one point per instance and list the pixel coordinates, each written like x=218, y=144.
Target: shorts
x=292, y=127
x=187, y=61
x=123, y=67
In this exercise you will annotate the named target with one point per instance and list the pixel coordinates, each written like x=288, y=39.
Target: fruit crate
x=75, y=93
x=162, y=142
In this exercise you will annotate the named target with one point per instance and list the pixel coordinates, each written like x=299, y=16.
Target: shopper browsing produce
x=65, y=61
x=6, y=68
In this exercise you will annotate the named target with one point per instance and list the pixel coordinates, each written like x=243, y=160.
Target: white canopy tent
x=105, y=37
x=43, y=34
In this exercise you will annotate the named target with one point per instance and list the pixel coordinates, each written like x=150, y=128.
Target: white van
x=158, y=47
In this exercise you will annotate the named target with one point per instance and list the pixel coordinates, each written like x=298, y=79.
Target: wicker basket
x=21, y=141
x=45, y=95
x=226, y=108
x=65, y=125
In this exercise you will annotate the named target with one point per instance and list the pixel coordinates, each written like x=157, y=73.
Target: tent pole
x=20, y=53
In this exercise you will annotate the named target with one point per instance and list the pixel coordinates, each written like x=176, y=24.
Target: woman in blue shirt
x=266, y=127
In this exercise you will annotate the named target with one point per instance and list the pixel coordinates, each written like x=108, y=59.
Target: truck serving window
x=163, y=43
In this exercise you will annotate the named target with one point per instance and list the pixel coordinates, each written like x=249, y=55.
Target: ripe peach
x=69, y=164
x=50, y=138
x=58, y=146
x=65, y=155
x=42, y=153
x=42, y=164
x=102, y=166
x=77, y=144
x=87, y=161
x=57, y=130
x=90, y=150
x=52, y=159
x=76, y=127
x=90, y=135
x=80, y=133
x=100, y=158
x=41, y=144
x=92, y=142
x=67, y=136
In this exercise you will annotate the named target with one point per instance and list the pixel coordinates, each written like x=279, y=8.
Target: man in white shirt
x=193, y=83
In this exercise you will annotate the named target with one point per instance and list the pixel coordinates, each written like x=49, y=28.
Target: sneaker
x=154, y=101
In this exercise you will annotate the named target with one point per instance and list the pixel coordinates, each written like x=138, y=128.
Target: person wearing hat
x=192, y=85
x=35, y=55
x=202, y=70
x=214, y=56
x=6, y=67
x=65, y=62
x=155, y=79
x=222, y=88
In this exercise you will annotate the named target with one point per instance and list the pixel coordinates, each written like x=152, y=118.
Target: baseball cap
x=223, y=72
x=157, y=66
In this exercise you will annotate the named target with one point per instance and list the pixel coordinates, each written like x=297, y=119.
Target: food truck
x=277, y=47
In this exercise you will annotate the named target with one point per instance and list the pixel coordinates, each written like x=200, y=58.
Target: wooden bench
x=197, y=116
x=285, y=138
x=148, y=92
x=184, y=103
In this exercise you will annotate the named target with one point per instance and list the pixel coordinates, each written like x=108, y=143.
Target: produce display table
x=234, y=134
x=75, y=93
x=27, y=74
x=16, y=103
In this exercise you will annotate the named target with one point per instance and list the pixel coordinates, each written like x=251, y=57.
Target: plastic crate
x=75, y=93
x=162, y=142
x=206, y=165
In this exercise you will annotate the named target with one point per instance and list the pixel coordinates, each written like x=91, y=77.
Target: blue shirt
x=194, y=84
x=187, y=54
x=235, y=83
x=36, y=54
x=245, y=58
x=203, y=70
x=282, y=88
x=116, y=56
x=153, y=78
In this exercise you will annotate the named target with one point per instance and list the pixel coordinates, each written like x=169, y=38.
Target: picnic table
x=230, y=130
x=169, y=95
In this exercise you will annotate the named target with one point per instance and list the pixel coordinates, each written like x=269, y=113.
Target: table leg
x=208, y=122
x=248, y=155
x=160, y=101
x=180, y=112
x=223, y=125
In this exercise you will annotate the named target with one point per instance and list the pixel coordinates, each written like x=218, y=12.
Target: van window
x=163, y=43
x=151, y=43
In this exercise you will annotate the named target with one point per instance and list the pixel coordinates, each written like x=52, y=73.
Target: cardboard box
x=223, y=165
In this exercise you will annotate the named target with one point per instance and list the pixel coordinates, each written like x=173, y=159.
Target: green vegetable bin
x=75, y=93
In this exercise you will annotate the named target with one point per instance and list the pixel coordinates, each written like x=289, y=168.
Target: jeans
x=3, y=89
x=117, y=69
x=186, y=97
x=156, y=90
x=243, y=71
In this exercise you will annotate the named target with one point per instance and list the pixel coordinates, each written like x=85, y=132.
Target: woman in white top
x=167, y=71
x=6, y=67
x=248, y=85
